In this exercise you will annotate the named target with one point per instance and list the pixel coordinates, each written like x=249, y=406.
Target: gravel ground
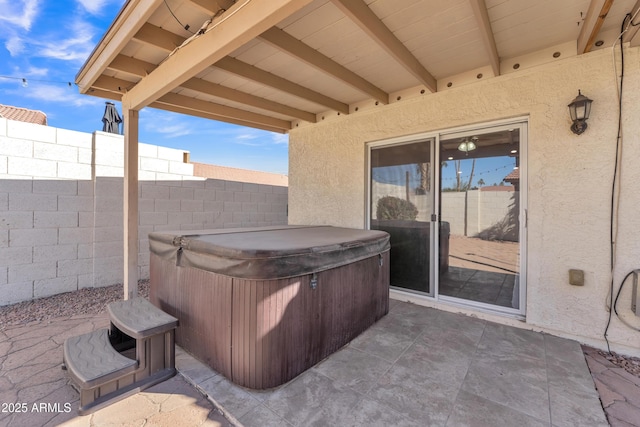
x=95, y=300
x=83, y=301
x=630, y=364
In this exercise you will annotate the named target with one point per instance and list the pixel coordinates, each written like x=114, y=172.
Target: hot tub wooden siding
x=262, y=333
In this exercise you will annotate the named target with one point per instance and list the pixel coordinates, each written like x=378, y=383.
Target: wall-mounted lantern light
x=579, y=109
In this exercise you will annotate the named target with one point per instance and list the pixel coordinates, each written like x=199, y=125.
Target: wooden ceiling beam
x=228, y=64
x=141, y=68
x=596, y=14
x=633, y=27
x=482, y=18
x=210, y=116
x=294, y=47
x=222, y=110
x=128, y=23
x=242, y=69
x=155, y=36
x=212, y=7
x=244, y=21
x=220, y=91
x=363, y=16
x=99, y=93
x=113, y=84
x=133, y=66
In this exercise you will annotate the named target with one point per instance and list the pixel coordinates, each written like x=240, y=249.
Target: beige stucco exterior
x=569, y=181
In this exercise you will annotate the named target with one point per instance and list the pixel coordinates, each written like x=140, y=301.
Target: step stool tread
x=138, y=318
x=92, y=361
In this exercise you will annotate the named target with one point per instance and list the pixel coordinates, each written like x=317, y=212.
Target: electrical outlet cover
x=576, y=277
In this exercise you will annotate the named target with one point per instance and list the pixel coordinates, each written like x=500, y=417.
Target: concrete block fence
x=470, y=213
x=61, y=207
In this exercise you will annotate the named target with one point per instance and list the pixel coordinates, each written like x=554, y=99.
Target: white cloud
x=37, y=72
x=61, y=94
x=92, y=6
x=247, y=137
x=167, y=124
x=173, y=125
x=260, y=138
x=96, y=7
x=74, y=42
x=15, y=45
x=173, y=130
x=77, y=47
x=20, y=13
x=280, y=138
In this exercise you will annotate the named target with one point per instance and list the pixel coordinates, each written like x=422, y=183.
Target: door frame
x=433, y=141
x=521, y=123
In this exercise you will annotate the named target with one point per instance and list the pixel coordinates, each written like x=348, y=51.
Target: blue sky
x=491, y=170
x=47, y=41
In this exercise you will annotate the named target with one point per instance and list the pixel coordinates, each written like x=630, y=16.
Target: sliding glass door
x=480, y=205
x=468, y=186
x=402, y=204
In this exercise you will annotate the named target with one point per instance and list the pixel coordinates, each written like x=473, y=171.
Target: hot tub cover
x=265, y=253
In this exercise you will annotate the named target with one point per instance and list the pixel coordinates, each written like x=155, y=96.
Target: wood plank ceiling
x=278, y=64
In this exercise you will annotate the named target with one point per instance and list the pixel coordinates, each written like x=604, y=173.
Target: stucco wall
x=569, y=179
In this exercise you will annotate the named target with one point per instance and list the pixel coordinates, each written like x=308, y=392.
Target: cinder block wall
x=472, y=212
x=61, y=207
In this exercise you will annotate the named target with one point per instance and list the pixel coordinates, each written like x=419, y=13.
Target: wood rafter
x=241, y=23
x=212, y=7
x=113, y=84
x=294, y=47
x=133, y=66
x=482, y=18
x=105, y=94
x=597, y=13
x=158, y=37
x=141, y=68
x=211, y=116
x=364, y=17
x=115, y=39
x=221, y=110
x=632, y=29
x=242, y=69
x=239, y=68
x=220, y=91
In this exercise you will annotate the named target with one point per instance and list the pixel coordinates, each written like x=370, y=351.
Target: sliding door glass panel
x=479, y=206
x=402, y=197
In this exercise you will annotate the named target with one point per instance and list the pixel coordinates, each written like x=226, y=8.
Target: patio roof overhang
x=280, y=64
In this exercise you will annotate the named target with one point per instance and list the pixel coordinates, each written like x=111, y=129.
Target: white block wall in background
x=61, y=207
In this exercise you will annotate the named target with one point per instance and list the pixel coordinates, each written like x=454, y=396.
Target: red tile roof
x=513, y=176
x=23, y=115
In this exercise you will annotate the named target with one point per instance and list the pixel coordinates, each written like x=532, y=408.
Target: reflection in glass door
x=401, y=203
x=480, y=206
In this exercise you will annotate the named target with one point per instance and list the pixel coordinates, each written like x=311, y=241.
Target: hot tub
x=262, y=305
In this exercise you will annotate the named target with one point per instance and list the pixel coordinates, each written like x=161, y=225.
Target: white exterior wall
x=61, y=207
x=569, y=181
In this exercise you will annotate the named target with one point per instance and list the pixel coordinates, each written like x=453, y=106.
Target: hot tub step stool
x=137, y=352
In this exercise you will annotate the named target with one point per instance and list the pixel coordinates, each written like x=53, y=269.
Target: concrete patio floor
x=415, y=367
